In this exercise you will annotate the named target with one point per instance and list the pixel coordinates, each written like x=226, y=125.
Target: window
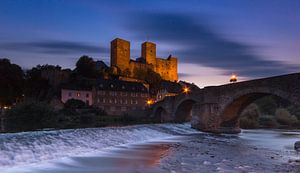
x=103, y=100
x=111, y=85
x=70, y=94
x=123, y=108
x=116, y=101
x=101, y=92
x=78, y=94
x=112, y=108
x=110, y=101
x=87, y=95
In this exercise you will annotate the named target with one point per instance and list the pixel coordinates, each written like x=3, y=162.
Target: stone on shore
x=297, y=146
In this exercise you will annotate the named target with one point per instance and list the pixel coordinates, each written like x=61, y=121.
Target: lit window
x=103, y=100
x=111, y=85
x=78, y=94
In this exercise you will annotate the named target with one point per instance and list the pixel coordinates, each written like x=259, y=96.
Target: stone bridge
x=217, y=108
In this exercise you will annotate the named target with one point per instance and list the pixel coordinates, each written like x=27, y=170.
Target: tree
x=86, y=67
x=37, y=87
x=30, y=116
x=75, y=104
x=11, y=82
x=267, y=105
x=284, y=117
x=151, y=77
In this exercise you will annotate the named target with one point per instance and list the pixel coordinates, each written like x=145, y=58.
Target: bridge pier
x=206, y=117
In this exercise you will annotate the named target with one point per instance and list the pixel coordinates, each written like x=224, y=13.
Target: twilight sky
x=211, y=38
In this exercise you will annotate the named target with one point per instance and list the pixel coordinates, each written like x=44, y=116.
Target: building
x=119, y=97
x=116, y=97
x=168, y=89
x=120, y=59
x=78, y=93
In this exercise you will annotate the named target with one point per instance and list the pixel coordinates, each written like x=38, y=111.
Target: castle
x=120, y=59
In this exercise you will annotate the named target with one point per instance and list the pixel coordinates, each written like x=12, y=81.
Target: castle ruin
x=120, y=59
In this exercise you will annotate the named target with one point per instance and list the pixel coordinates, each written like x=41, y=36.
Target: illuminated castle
x=120, y=59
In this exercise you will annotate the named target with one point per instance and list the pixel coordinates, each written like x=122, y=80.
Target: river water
x=148, y=148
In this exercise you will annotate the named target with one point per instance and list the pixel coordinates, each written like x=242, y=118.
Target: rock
x=297, y=146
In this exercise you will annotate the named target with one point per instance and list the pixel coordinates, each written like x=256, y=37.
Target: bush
x=75, y=104
x=267, y=121
x=248, y=123
x=285, y=118
x=30, y=116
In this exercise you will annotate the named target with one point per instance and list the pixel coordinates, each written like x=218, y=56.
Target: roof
x=107, y=84
x=171, y=87
x=118, y=85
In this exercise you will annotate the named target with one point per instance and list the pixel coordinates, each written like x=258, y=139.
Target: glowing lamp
x=233, y=78
x=149, y=102
x=186, y=89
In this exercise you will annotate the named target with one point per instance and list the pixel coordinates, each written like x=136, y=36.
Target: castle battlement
x=120, y=58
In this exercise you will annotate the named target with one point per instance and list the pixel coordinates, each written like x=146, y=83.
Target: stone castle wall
x=120, y=58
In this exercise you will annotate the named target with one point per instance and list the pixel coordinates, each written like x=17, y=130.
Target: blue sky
x=211, y=38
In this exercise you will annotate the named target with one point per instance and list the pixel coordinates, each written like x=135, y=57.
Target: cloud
x=183, y=75
x=53, y=47
x=203, y=45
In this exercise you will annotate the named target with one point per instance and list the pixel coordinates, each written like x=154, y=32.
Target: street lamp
x=233, y=78
x=186, y=90
x=149, y=102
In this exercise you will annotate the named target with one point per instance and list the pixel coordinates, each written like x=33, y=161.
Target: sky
x=211, y=38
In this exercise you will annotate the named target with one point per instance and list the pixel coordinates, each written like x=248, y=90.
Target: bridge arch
x=159, y=114
x=183, y=110
x=232, y=109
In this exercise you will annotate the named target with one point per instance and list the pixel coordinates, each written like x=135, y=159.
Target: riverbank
x=175, y=148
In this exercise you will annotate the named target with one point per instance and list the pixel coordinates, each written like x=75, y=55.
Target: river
x=148, y=148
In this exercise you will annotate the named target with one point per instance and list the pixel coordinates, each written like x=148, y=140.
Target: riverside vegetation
x=270, y=112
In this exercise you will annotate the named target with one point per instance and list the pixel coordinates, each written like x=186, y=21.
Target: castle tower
x=149, y=52
x=120, y=53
